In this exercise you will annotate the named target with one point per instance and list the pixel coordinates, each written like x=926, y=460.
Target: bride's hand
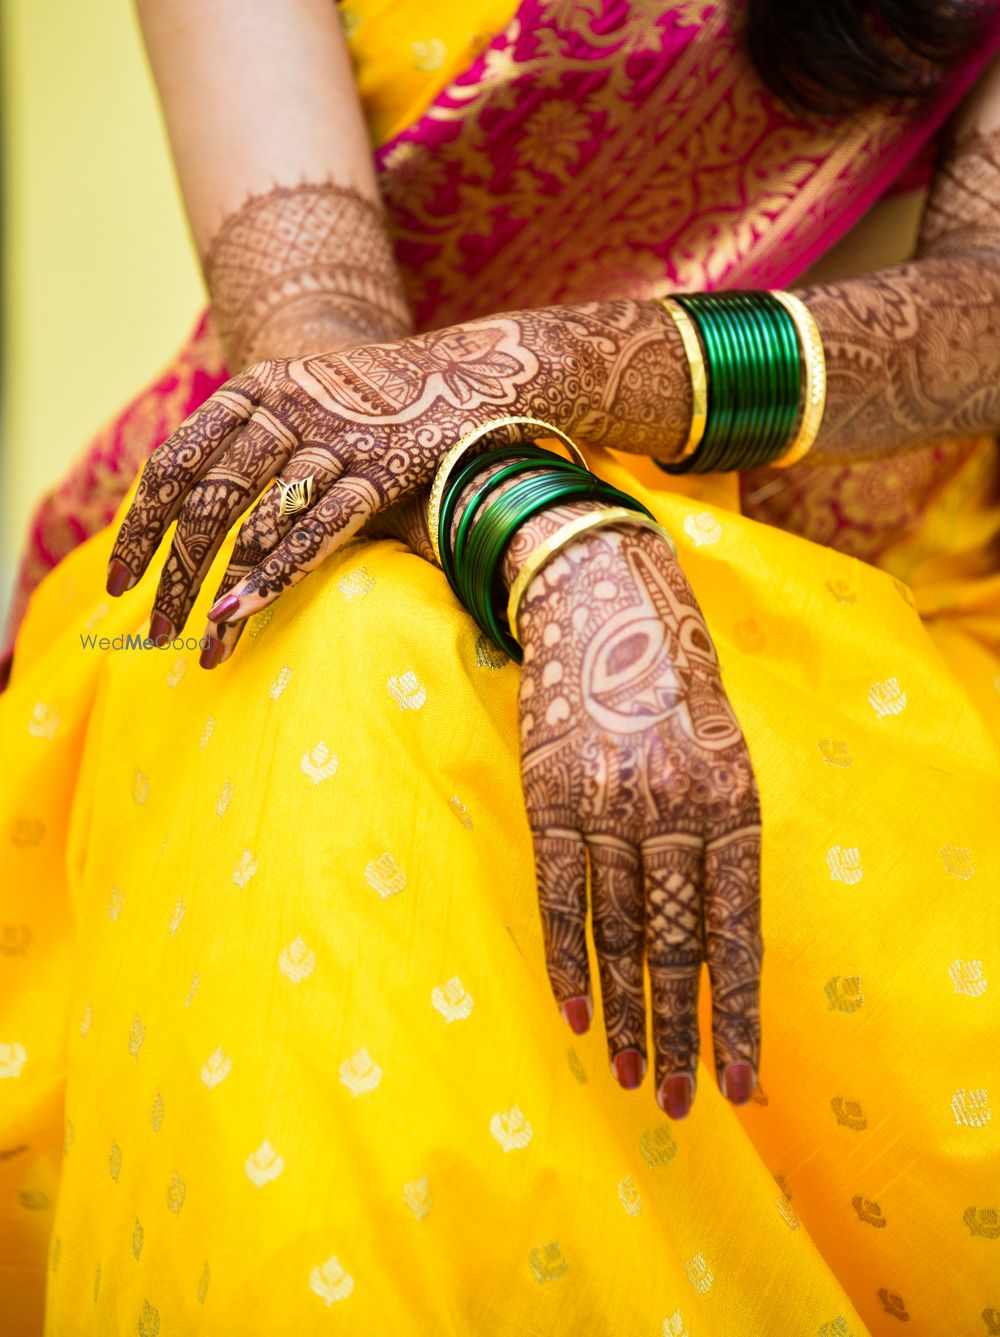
x=632, y=757
x=369, y=426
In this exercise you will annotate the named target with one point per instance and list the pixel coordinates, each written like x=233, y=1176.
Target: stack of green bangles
x=488, y=522
x=758, y=378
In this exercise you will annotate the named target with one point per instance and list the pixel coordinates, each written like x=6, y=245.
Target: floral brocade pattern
x=620, y=149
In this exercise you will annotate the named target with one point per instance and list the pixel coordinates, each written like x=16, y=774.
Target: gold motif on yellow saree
x=417, y=1196
x=176, y=1193
x=297, y=961
x=547, y=1262
x=140, y=787
x=263, y=1165
x=407, y=691
x=511, y=1129
x=870, y=1213
x=44, y=721
x=968, y=978
x=848, y=1114
x=657, y=1145
x=115, y=1161
x=983, y=1221
x=845, y=865
x=282, y=678
x=216, y=1068
x=699, y=1274
x=176, y=916
x=136, y=1035
x=156, y=1113
x=787, y=1213
x=385, y=876
x=893, y=1304
x=138, y=1235
x=356, y=583
x=674, y=1326
x=116, y=903
x=629, y=1196
x=360, y=1073
x=460, y=811
x=452, y=1000
x=845, y=994
x=887, y=698
x=319, y=763
x=245, y=868
x=971, y=1108
x=835, y=751
x=330, y=1282
x=957, y=860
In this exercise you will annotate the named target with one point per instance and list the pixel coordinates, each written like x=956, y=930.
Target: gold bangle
x=562, y=538
x=699, y=375
x=448, y=462
x=814, y=396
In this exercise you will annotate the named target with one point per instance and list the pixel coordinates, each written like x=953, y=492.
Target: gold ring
x=814, y=396
x=562, y=538
x=295, y=496
x=699, y=375
x=449, y=460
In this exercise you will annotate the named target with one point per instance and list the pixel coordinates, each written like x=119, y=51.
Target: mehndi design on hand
x=632, y=757
x=302, y=269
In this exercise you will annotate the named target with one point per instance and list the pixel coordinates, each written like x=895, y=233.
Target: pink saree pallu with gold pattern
x=278, y=1051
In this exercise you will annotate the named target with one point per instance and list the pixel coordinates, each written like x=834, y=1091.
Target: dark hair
x=826, y=55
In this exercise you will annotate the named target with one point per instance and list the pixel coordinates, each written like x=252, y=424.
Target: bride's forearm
x=913, y=352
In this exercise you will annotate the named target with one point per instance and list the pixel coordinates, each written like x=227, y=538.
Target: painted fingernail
x=225, y=605
x=628, y=1069
x=119, y=577
x=212, y=653
x=738, y=1082
x=160, y=629
x=676, y=1095
x=576, y=1011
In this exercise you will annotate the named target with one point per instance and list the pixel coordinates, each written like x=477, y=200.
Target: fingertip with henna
x=212, y=654
x=676, y=1094
x=119, y=578
x=223, y=607
x=738, y=1082
x=576, y=1012
x=160, y=629
x=629, y=1068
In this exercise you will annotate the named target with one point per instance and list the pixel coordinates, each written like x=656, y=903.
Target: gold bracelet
x=562, y=538
x=448, y=462
x=814, y=397
x=699, y=375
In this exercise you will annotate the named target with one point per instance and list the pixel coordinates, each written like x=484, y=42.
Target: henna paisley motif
x=631, y=752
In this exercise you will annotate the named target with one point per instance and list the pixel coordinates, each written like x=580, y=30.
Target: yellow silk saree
x=277, y=1048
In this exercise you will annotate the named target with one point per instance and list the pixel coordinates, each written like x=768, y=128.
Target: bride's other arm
x=275, y=168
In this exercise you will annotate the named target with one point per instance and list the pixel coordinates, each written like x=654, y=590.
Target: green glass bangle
x=525, y=451
x=754, y=364
x=554, y=464
x=479, y=582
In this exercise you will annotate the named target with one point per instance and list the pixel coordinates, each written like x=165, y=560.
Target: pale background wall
x=100, y=281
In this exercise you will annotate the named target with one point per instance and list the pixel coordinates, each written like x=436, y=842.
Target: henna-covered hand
x=634, y=763
x=369, y=425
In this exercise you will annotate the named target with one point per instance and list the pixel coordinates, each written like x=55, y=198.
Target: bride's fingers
x=183, y=458
x=673, y=868
x=561, y=874
x=619, y=915
x=259, y=535
x=210, y=508
x=323, y=529
x=734, y=950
